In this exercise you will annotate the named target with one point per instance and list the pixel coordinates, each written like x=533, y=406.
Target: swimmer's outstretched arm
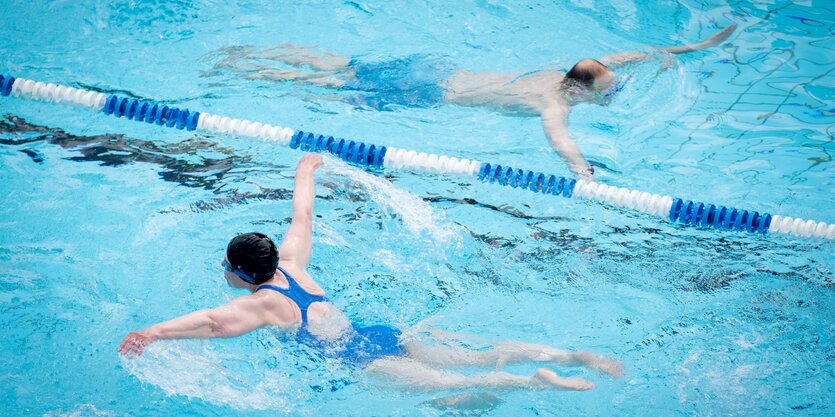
x=240, y=316
x=297, y=244
x=622, y=58
x=555, y=123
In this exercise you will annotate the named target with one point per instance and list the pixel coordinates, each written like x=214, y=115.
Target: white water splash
x=327, y=235
x=200, y=373
x=84, y=410
x=416, y=214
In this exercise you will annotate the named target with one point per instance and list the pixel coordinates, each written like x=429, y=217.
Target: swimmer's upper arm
x=298, y=241
x=622, y=58
x=242, y=315
x=555, y=123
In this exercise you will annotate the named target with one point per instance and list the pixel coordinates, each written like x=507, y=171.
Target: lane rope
x=373, y=156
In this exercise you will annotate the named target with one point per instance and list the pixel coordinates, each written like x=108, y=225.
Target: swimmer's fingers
x=611, y=367
x=133, y=344
x=126, y=347
x=617, y=370
x=587, y=175
x=722, y=35
x=123, y=347
x=310, y=162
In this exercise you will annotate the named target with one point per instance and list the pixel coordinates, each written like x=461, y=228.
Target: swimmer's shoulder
x=542, y=76
x=273, y=308
x=541, y=90
x=543, y=82
x=303, y=278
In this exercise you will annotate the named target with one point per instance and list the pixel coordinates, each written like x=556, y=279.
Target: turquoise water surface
x=109, y=226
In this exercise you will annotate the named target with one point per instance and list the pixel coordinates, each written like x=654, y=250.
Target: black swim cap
x=254, y=254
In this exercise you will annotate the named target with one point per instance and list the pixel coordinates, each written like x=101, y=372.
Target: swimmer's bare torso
x=513, y=94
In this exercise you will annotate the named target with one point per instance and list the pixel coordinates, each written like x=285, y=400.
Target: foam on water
x=196, y=371
x=83, y=410
x=417, y=215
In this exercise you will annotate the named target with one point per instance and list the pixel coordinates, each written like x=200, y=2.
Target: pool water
x=109, y=226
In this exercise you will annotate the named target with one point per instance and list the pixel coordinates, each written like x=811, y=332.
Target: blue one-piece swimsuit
x=414, y=81
x=363, y=346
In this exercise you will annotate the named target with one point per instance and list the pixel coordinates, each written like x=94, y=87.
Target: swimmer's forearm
x=554, y=121
x=570, y=152
x=713, y=40
x=622, y=58
x=303, y=193
x=196, y=325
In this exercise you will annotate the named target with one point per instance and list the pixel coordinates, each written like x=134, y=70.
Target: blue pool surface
x=109, y=226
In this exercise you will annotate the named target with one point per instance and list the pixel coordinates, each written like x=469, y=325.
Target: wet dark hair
x=585, y=72
x=254, y=254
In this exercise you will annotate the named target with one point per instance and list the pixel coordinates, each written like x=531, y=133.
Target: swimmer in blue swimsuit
x=284, y=295
x=361, y=346
x=426, y=81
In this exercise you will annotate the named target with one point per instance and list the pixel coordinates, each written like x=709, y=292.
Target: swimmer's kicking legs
x=318, y=68
x=420, y=366
x=508, y=352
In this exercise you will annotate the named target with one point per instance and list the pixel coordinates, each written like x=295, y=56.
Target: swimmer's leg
x=228, y=57
x=325, y=70
x=324, y=79
x=468, y=403
x=306, y=56
x=510, y=351
x=419, y=375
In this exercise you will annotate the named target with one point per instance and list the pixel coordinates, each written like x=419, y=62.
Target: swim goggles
x=611, y=91
x=241, y=274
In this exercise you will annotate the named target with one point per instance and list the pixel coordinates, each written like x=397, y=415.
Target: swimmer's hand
x=134, y=343
x=714, y=40
x=309, y=163
x=588, y=175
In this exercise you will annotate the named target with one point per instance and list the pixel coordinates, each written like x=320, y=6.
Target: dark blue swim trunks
x=414, y=81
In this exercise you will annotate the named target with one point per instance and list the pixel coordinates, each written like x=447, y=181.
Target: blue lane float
x=373, y=156
x=360, y=153
x=720, y=217
x=150, y=112
x=533, y=181
x=6, y=83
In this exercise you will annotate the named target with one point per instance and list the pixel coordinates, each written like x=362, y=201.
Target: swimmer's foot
x=549, y=379
x=600, y=364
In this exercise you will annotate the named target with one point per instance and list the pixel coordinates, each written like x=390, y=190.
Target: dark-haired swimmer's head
x=589, y=80
x=251, y=258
